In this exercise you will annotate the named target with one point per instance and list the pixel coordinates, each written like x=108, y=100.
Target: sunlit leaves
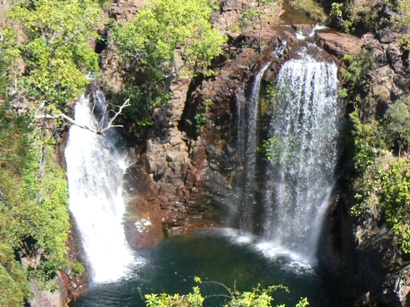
x=258, y=297
x=387, y=188
x=165, y=40
x=397, y=124
x=55, y=47
x=164, y=30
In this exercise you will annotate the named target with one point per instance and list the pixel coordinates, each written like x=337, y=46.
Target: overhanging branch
x=101, y=129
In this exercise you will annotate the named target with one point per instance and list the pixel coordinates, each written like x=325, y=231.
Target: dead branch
x=62, y=115
x=101, y=127
x=110, y=124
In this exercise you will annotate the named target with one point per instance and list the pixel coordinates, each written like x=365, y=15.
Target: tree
x=55, y=50
x=386, y=188
x=34, y=219
x=166, y=39
x=44, y=60
x=397, y=124
x=14, y=152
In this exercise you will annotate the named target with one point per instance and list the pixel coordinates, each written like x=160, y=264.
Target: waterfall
x=304, y=133
x=95, y=167
x=247, y=141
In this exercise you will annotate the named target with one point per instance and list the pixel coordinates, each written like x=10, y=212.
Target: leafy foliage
x=358, y=15
x=34, y=219
x=364, y=15
x=13, y=154
x=382, y=180
x=55, y=51
x=258, y=297
x=13, y=281
x=164, y=30
x=387, y=188
x=165, y=40
x=312, y=8
x=363, y=136
x=357, y=68
x=193, y=299
x=44, y=60
x=397, y=124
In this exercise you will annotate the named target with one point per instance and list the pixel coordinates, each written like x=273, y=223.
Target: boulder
x=45, y=298
x=338, y=43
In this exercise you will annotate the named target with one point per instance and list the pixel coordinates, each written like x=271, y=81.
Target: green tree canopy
x=166, y=39
x=53, y=42
x=397, y=124
x=164, y=30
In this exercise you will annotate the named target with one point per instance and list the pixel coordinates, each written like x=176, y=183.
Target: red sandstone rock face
x=178, y=173
x=338, y=43
x=187, y=173
x=125, y=9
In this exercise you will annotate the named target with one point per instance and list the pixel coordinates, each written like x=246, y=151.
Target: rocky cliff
x=361, y=252
x=187, y=165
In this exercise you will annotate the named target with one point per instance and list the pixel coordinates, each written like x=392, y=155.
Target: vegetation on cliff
x=46, y=62
x=45, y=57
x=383, y=177
x=381, y=135
x=52, y=40
x=361, y=16
x=164, y=40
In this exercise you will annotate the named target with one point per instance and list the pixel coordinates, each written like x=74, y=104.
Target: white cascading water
x=95, y=169
x=305, y=127
x=247, y=145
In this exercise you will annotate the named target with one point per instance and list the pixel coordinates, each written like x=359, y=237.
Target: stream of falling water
x=247, y=147
x=95, y=168
x=305, y=130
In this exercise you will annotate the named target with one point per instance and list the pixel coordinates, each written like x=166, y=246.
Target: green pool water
x=214, y=256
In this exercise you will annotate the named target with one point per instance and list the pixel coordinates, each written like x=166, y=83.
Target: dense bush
x=45, y=57
x=166, y=39
x=55, y=50
x=258, y=297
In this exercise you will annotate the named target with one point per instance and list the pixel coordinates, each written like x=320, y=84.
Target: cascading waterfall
x=95, y=168
x=304, y=133
x=247, y=145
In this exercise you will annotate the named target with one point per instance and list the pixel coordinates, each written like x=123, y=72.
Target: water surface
x=214, y=256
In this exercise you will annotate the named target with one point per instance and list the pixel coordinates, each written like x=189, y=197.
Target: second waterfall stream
x=303, y=133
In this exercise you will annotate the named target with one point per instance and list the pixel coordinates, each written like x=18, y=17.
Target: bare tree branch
x=110, y=124
x=100, y=130
x=62, y=115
